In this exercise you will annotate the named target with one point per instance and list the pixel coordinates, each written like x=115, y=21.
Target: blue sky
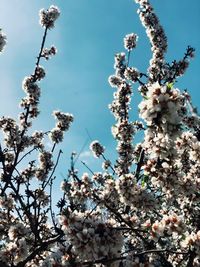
x=87, y=35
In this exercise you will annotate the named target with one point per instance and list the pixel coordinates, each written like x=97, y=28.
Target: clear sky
x=87, y=35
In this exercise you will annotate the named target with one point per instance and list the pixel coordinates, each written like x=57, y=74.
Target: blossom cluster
x=91, y=237
x=96, y=148
x=33, y=92
x=2, y=40
x=123, y=130
x=130, y=41
x=46, y=165
x=64, y=120
x=79, y=191
x=133, y=195
x=193, y=240
x=171, y=224
x=11, y=132
x=163, y=110
x=49, y=16
x=156, y=36
x=47, y=53
x=7, y=202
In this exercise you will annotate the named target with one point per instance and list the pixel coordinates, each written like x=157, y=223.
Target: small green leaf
x=143, y=183
x=170, y=85
x=144, y=180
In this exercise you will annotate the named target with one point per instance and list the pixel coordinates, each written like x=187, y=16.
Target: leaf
x=143, y=183
x=144, y=180
x=170, y=85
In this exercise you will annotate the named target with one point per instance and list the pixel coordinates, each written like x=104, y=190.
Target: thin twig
x=53, y=171
x=87, y=167
x=29, y=152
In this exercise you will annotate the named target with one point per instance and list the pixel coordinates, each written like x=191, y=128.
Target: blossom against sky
x=87, y=35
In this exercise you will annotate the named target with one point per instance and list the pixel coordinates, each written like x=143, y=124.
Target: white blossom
x=2, y=40
x=130, y=41
x=49, y=16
